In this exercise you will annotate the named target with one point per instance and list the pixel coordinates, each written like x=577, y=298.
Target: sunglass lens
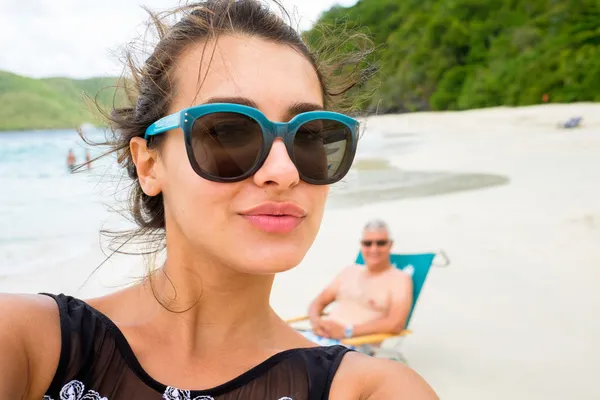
x=321, y=150
x=226, y=144
x=378, y=243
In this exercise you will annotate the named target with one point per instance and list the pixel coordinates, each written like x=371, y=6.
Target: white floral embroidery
x=172, y=393
x=177, y=394
x=91, y=395
x=74, y=390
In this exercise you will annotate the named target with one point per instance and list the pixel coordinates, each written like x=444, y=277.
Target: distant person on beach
x=88, y=159
x=235, y=132
x=369, y=299
x=71, y=160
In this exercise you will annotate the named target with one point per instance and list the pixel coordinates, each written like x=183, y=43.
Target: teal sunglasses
x=229, y=142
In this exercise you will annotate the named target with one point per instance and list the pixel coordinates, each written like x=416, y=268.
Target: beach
x=513, y=200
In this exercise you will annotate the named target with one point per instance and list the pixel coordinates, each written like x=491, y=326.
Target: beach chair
x=417, y=266
x=571, y=123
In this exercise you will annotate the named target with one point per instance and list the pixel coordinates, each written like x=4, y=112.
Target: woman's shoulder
x=365, y=377
x=34, y=319
x=31, y=336
x=25, y=308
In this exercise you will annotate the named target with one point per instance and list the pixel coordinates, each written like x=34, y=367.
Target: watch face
x=348, y=331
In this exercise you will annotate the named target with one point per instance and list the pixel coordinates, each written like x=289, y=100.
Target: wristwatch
x=348, y=331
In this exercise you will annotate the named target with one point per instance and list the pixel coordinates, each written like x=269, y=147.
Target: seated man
x=374, y=298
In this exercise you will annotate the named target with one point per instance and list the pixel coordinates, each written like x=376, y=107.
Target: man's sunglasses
x=229, y=142
x=378, y=243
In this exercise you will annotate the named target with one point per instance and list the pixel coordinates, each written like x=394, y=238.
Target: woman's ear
x=145, y=162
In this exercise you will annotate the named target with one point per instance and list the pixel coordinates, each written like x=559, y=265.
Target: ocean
x=48, y=215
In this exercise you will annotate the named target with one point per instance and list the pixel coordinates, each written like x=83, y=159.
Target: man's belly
x=349, y=312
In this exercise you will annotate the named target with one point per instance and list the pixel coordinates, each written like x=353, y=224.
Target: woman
x=239, y=198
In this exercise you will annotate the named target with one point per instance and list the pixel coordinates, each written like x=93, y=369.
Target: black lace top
x=97, y=363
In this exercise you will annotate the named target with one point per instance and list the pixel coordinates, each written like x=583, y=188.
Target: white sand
x=517, y=314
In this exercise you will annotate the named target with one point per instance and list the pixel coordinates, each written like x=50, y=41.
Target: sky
x=82, y=38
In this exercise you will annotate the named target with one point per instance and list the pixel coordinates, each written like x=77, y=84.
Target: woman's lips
x=275, y=217
x=274, y=223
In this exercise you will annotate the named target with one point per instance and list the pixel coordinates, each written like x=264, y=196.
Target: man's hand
x=326, y=297
x=332, y=329
x=317, y=326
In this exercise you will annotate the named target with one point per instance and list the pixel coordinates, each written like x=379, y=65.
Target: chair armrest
x=373, y=339
x=358, y=340
x=297, y=319
x=300, y=319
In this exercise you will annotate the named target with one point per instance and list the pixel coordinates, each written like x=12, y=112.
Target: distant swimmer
x=88, y=159
x=71, y=160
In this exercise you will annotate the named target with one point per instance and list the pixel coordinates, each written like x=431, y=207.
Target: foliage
x=431, y=55
x=461, y=54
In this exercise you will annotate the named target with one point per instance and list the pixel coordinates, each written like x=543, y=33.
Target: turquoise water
x=47, y=213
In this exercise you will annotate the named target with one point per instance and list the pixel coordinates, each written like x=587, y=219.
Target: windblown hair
x=149, y=87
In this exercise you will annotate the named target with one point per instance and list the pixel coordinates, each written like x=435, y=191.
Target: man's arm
x=395, y=320
x=326, y=297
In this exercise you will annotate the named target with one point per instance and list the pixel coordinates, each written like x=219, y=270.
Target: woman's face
x=217, y=219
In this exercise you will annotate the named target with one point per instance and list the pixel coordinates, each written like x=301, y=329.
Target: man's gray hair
x=377, y=225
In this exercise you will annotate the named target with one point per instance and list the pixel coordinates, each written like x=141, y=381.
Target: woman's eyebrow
x=235, y=100
x=293, y=110
x=299, y=108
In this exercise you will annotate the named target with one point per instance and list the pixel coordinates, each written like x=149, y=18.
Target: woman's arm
x=29, y=345
x=362, y=377
x=13, y=362
x=390, y=379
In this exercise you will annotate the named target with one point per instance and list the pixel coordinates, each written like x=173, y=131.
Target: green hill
x=460, y=54
x=50, y=103
x=432, y=55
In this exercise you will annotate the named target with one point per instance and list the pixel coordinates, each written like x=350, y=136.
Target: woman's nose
x=278, y=169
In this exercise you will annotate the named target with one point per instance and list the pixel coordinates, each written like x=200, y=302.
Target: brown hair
x=148, y=87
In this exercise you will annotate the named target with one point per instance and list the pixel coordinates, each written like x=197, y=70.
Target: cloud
x=79, y=38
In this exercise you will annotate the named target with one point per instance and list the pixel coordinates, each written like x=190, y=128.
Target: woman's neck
x=205, y=305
